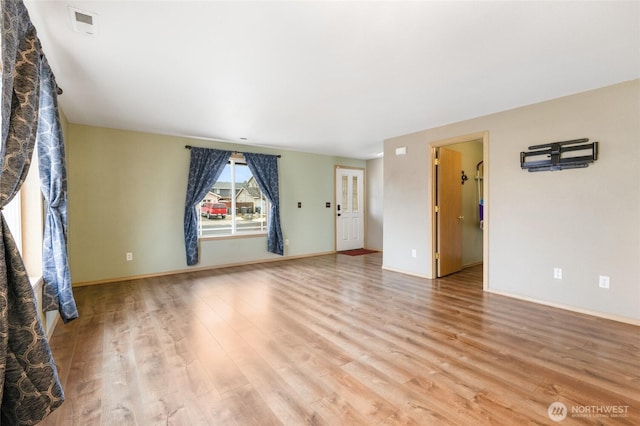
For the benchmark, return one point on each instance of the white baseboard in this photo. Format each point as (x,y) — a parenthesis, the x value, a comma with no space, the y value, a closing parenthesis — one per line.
(196,269)
(619,318)
(413,274)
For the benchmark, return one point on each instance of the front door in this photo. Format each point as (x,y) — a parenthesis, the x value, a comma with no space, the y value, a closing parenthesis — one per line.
(448,211)
(349,209)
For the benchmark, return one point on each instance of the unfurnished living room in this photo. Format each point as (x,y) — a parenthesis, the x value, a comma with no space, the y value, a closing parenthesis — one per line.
(320,212)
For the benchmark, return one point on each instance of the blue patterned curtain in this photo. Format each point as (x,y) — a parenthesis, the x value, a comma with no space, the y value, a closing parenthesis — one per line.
(205,168)
(265,170)
(56,293)
(29,384)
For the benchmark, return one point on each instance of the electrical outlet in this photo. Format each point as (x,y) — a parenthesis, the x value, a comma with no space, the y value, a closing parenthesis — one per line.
(603,281)
(286,242)
(129,256)
(557,273)
(414,253)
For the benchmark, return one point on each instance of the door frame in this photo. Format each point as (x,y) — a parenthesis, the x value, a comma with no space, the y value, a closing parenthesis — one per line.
(431,189)
(335,204)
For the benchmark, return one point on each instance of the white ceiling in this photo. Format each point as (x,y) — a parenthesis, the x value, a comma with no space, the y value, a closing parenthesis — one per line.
(327,77)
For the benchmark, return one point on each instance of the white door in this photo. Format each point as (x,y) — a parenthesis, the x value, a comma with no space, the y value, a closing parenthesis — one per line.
(349,209)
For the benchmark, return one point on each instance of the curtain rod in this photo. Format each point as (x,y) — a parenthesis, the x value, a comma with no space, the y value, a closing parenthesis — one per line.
(235,152)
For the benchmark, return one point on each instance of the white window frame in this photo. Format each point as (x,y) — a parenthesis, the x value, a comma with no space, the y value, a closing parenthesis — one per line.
(234,232)
(13,216)
(24,216)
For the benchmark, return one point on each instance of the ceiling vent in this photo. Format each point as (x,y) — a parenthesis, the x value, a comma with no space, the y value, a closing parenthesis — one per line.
(83,22)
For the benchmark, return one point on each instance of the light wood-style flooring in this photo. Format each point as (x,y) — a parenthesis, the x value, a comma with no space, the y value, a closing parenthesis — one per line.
(335,340)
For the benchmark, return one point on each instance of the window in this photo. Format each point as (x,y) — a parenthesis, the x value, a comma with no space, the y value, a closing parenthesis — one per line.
(235,205)
(13,216)
(24,217)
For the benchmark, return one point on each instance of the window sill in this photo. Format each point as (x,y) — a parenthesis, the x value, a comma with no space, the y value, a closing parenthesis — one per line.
(36,282)
(232,237)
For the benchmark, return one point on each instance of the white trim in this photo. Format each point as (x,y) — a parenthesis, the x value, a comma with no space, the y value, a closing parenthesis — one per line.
(13,216)
(52,327)
(413,274)
(196,269)
(604,315)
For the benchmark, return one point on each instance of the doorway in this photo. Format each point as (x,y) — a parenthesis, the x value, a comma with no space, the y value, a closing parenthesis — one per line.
(459,200)
(349,204)
(448,211)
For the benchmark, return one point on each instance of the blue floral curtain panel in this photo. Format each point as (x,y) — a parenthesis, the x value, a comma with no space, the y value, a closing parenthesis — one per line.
(57,292)
(205,167)
(29,384)
(265,170)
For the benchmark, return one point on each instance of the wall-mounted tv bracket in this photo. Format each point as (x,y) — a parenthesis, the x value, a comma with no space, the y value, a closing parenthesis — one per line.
(571,154)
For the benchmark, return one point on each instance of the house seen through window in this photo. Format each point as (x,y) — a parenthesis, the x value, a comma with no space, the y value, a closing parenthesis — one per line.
(235,205)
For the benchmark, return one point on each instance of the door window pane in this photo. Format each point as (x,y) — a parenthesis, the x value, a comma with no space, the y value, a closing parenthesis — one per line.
(354,192)
(345,193)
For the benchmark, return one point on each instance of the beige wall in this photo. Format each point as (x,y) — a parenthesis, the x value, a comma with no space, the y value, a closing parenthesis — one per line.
(584,220)
(374,193)
(127,193)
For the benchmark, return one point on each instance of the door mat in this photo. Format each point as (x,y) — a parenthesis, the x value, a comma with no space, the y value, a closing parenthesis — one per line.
(357,252)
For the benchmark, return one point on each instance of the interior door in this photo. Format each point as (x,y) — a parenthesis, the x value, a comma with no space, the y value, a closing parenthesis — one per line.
(349,209)
(448,211)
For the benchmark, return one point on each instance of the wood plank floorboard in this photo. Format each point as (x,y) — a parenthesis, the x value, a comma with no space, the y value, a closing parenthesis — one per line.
(336,340)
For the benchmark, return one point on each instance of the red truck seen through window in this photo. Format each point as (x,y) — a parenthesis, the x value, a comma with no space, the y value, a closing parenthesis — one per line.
(212,210)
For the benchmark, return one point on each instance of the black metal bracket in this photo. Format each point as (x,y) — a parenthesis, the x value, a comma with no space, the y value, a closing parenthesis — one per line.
(559,155)
(464,177)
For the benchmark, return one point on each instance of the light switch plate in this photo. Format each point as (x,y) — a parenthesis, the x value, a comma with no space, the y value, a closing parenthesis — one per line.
(603,281)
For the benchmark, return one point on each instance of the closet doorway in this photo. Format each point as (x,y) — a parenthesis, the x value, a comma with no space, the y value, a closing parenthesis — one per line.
(459,204)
